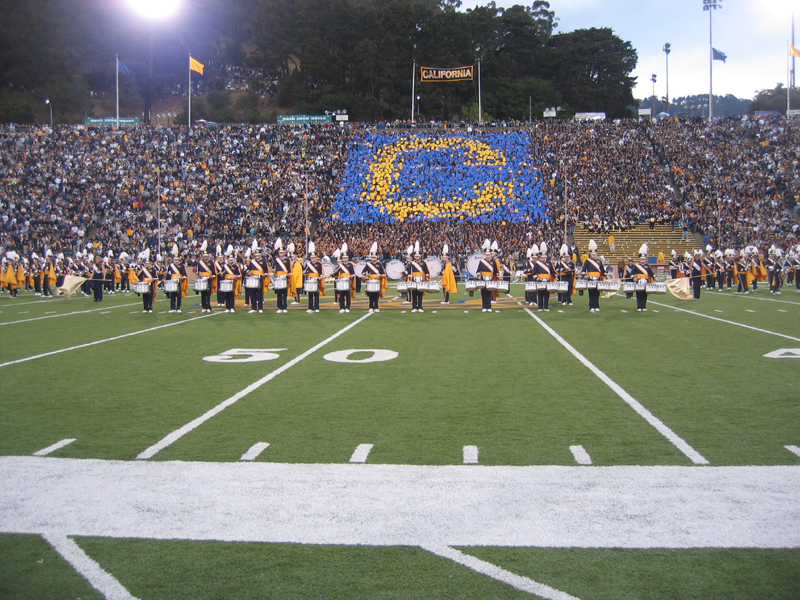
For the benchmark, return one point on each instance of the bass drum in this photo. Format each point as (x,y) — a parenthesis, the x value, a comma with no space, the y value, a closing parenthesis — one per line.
(395,269)
(472,263)
(359,267)
(327,268)
(434,265)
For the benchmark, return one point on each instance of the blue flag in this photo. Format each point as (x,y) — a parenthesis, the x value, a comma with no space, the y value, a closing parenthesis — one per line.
(123,69)
(717,55)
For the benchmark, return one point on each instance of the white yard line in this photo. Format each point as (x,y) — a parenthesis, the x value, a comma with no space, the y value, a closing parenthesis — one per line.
(97,577)
(396,505)
(77,312)
(361,453)
(484,568)
(748,296)
(697,314)
(794,450)
(254,451)
(54,447)
(581,456)
(179,433)
(111,339)
(659,426)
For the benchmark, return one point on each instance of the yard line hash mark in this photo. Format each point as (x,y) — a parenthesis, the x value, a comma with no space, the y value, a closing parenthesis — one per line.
(793,450)
(361,453)
(254,451)
(194,424)
(54,447)
(673,437)
(581,456)
(470,455)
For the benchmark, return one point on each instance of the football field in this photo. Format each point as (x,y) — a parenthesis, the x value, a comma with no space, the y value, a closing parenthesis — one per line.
(450,454)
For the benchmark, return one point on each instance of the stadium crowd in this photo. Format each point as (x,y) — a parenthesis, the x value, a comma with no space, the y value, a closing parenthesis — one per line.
(72,187)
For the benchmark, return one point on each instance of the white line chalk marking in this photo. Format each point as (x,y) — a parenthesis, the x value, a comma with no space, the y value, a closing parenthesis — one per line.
(361,453)
(254,451)
(470,455)
(111,339)
(781,310)
(484,568)
(750,311)
(673,437)
(395,505)
(77,312)
(54,447)
(793,449)
(697,314)
(179,433)
(97,577)
(581,456)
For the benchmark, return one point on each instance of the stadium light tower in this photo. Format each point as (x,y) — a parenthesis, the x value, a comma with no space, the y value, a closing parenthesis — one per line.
(666,49)
(711,6)
(153,11)
(653,105)
(47,101)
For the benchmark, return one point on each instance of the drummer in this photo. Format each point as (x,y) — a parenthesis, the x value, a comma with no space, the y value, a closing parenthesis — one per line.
(530,265)
(565,270)
(417,271)
(543,273)
(257,267)
(207,268)
(231,271)
(593,270)
(176,271)
(642,273)
(448,276)
(219,262)
(313,272)
(345,269)
(374,271)
(281,268)
(486,270)
(148,274)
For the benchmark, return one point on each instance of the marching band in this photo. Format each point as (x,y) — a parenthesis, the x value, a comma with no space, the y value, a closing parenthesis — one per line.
(230,272)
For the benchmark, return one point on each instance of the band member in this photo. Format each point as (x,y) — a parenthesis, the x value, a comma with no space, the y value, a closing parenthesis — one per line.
(345,270)
(257,267)
(642,274)
(219,261)
(757,267)
(709,268)
(593,270)
(148,274)
(487,271)
(674,265)
(206,269)
(696,273)
(543,273)
(176,271)
(448,276)
(794,267)
(741,269)
(728,267)
(313,272)
(281,268)
(565,271)
(530,265)
(375,271)
(495,256)
(417,271)
(49,276)
(231,271)
(629,276)
(774,270)
(98,276)
(296,275)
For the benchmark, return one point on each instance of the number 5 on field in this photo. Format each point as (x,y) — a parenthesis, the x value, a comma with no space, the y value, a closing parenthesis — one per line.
(243,355)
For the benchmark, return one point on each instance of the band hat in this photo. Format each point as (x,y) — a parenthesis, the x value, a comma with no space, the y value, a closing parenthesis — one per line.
(643,250)
(687,255)
(254,245)
(219,250)
(312,249)
(336,254)
(543,248)
(708,248)
(533,250)
(247,253)
(718,254)
(279,244)
(445,250)
(564,250)
(487,246)
(495,247)
(592,246)
(529,252)
(229,250)
(673,252)
(373,250)
(290,248)
(175,250)
(204,247)
(410,251)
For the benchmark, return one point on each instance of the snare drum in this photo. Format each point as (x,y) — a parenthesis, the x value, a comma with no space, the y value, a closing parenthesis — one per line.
(491,285)
(657,288)
(530,286)
(628,287)
(471,285)
(434,286)
(502,286)
(311,285)
(373,285)
(411,285)
(591,285)
(641,285)
(252,282)
(608,286)
(581,284)
(226,285)
(402,286)
(542,285)
(172,285)
(342,284)
(552,286)
(423,286)
(201,285)
(280,282)
(142,287)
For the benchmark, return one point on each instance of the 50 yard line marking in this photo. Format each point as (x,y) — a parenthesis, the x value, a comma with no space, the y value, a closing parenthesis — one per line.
(697,314)
(673,437)
(179,433)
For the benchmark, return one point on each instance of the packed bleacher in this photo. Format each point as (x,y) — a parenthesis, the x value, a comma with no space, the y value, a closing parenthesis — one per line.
(736,181)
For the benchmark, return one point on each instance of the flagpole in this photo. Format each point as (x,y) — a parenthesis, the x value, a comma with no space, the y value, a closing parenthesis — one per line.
(480,107)
(190,92)
(788,80)
(117,91)
(413,83)
(710,71)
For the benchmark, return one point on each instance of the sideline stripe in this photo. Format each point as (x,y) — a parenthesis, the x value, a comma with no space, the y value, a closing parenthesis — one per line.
(673,437)
(793,450)
(119,337)
(361,453)
(77,312)
(179,433)
(484,568)
(54,447)
(98,578)
(581,456)
(697,314)
(254,451)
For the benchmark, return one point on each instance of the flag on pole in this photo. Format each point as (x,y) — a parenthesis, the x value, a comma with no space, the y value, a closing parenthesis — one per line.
(195,65)
(717,55)
(793,51)
(123,68)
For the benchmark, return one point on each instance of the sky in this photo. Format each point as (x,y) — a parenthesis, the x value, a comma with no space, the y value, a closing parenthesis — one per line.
(752,33)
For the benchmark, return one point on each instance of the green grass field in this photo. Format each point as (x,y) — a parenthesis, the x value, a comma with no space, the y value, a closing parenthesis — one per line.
(691,492)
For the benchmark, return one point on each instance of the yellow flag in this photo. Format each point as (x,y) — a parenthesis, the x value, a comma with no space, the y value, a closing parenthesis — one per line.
(195,65)
(793,51)
(680,288)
